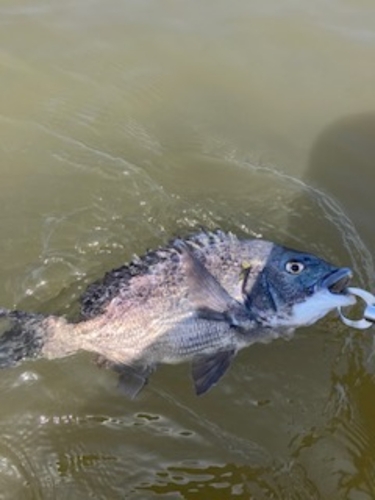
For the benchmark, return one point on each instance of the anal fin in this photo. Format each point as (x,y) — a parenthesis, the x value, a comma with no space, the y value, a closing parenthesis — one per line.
(207,370)
(132,378)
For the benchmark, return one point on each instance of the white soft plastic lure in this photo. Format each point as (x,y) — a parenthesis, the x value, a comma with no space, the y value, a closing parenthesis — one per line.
(368,314)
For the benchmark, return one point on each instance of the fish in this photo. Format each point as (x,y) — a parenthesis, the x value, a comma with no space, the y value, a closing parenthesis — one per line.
(198,299)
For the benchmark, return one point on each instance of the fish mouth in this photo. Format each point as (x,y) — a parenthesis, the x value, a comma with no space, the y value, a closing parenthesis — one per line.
(337,281)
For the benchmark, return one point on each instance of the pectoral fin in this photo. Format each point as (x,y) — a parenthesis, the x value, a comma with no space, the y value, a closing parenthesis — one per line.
(211,300)
(207,370)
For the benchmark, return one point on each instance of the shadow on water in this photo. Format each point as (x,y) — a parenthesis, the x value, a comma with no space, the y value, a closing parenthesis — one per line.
(334,458)
(339,454)
(153,453)
(342,163)
(340,182)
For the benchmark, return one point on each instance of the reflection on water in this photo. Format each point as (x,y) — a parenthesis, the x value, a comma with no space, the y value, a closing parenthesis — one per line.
(231,480)
(124,123)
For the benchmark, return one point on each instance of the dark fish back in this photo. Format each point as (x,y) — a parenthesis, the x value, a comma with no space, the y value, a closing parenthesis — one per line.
(100,293)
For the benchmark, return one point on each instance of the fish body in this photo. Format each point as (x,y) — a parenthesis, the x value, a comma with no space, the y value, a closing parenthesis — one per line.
(199,299)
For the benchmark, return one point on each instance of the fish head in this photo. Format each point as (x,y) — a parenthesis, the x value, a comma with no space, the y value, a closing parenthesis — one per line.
(290,288)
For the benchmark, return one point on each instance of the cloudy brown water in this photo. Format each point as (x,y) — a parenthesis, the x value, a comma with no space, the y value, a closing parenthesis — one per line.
(124,123)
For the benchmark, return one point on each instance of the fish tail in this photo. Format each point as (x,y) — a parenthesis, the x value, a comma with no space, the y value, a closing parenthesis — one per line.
(24,336)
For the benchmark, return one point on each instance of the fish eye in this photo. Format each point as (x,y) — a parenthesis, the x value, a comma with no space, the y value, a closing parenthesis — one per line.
(294,267)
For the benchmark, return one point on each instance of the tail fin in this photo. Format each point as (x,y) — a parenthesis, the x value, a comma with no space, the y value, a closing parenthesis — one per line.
(24,338)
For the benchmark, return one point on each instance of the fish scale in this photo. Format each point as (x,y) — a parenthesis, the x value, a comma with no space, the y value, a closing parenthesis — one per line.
(200,298)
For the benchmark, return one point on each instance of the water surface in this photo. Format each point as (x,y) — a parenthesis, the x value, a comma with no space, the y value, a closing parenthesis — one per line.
(124,123)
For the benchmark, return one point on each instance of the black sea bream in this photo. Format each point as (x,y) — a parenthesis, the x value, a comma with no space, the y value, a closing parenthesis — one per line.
(198,299)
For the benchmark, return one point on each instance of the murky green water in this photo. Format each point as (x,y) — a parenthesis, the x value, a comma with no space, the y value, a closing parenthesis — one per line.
(124,123)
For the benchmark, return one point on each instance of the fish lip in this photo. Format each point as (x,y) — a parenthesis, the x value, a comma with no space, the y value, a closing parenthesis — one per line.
(337,281)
